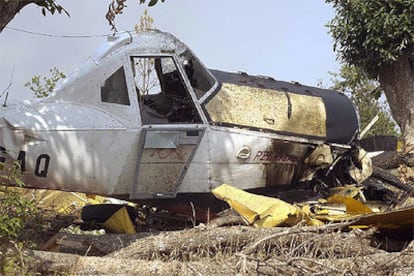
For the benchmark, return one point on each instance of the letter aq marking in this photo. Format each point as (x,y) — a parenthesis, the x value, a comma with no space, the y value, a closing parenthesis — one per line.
(42,162)
(42,165)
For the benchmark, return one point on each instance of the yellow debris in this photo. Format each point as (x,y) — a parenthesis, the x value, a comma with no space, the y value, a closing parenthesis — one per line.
(353,206)
(261,211)
(60,201)
(395,219)
(346,190)
(120,222)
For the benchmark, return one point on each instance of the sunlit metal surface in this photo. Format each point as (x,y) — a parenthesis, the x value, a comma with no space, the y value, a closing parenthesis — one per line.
(108,130)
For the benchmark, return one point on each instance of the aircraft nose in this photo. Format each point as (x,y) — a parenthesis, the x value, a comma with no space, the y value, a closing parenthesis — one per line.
(11,139)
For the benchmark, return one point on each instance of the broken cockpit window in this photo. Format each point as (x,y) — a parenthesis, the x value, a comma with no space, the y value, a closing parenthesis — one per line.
(201,80)
(163,97)
(114,89)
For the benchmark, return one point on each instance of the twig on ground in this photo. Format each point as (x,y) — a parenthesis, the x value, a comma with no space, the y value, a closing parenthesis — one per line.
(296,229)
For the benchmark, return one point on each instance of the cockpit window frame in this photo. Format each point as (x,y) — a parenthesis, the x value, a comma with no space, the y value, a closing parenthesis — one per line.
(125,93)
(189,55)
(184,80)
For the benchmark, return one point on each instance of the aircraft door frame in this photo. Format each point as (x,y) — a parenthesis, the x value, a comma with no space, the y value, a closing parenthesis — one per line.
(168,141)
(165,153)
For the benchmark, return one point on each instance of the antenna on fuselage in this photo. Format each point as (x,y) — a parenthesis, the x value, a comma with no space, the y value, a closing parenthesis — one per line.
(6,91)
(5,99)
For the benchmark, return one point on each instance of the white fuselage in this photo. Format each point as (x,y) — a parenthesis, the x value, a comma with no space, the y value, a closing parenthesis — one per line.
(143,118)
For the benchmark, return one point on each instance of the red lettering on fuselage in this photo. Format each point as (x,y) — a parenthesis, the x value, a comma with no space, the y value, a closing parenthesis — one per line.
(268,156)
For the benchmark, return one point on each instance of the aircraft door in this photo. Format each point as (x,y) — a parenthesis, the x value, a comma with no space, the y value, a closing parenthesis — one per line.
(172,127)
(164,158)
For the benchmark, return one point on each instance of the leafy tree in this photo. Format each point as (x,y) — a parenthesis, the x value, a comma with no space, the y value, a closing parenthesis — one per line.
(151,2)
(9,8)
(378,38)
(43,87)
(117,7)
(365,93)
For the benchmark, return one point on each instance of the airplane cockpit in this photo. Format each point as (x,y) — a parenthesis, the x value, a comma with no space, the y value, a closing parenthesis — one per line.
(150,73)
(162,94)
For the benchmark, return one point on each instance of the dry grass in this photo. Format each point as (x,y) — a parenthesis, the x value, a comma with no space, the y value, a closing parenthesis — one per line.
(207,250)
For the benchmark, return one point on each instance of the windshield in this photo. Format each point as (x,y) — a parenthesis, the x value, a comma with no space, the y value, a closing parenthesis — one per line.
(162,95)
(200,78)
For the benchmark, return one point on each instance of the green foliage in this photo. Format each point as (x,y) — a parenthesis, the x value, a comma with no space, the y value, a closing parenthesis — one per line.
(14,209)
(117,7)
(42,87)
(15,212)
(150,3)
(51,6)
(365,93)
(13,261)
(371,34)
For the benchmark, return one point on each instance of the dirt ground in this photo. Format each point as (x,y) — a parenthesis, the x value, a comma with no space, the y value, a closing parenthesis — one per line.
(224,247)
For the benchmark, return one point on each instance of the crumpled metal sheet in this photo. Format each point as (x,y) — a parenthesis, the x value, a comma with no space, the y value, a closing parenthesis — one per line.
(263,211)
(60,201)
(394,219)
(120,222)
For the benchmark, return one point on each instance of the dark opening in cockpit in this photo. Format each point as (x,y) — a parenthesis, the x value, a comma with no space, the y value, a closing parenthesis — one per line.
(163,97)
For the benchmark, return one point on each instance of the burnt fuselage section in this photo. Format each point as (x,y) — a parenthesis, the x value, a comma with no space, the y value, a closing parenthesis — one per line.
(285,108)
(144,119)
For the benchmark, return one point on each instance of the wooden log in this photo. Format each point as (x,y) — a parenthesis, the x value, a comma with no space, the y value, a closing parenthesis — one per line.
(227,217)
(51,262)
(294,260)
(385,263)
(196,240)
(390,179)
(392,160)
(63,263)
(201,242)
(200,239)
(91,245)
(377,263)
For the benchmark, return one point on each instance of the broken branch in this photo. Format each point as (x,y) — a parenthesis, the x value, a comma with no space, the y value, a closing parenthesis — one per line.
(391,179)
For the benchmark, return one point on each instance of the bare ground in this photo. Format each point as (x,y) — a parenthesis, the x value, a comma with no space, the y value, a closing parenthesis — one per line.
(229,250)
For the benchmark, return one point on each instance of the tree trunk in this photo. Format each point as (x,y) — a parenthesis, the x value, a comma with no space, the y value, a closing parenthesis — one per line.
(9,8)
(365,263)
(389,160)
(390,179)
(91,245)
(397,80)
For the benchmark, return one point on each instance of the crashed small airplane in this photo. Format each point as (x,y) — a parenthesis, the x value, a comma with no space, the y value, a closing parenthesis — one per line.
(144,120)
